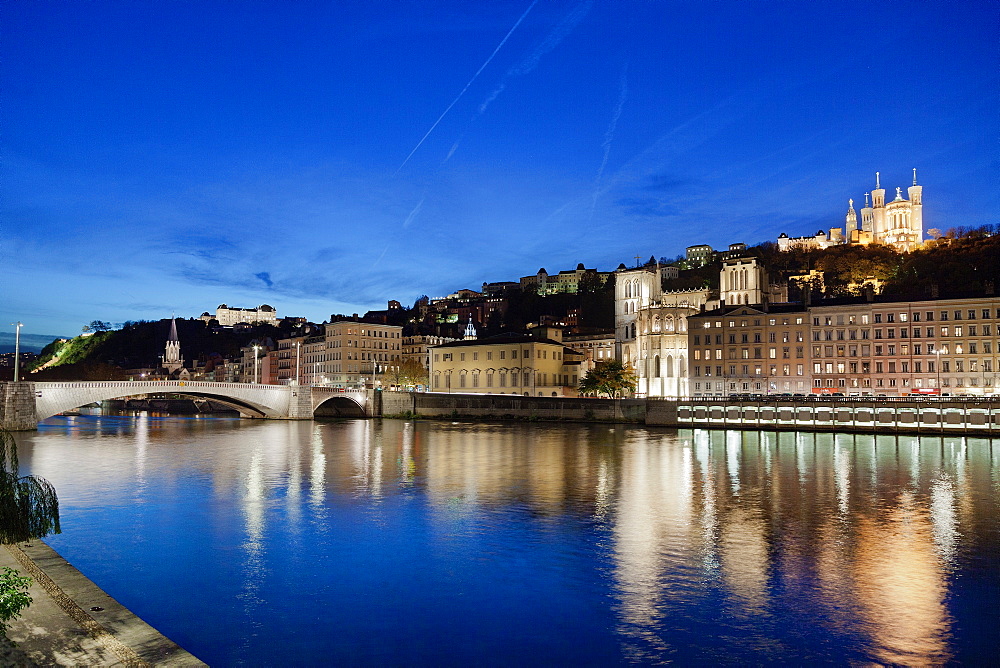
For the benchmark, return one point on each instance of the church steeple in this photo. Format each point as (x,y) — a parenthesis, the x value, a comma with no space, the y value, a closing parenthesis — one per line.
(172,359)
(852,218)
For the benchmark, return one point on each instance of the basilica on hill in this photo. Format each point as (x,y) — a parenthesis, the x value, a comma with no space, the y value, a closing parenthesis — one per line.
(899,224)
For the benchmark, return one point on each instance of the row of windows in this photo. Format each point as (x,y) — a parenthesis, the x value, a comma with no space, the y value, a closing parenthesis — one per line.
(798,320)
(374,333)
(748,370)
(541,354)
(502,378)
(904,349)
(906,366)
(744,353)
(905,382)
(772,337)
(904,316)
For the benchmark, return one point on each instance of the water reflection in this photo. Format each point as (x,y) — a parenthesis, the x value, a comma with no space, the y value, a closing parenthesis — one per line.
(698,545)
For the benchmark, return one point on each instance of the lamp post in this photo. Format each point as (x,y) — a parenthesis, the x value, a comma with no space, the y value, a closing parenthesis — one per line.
(937,368)
(298,346)
(255,349)
(17,349)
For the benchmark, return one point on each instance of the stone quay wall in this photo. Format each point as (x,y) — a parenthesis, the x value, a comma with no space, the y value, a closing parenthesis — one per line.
(435,404)
(17,406)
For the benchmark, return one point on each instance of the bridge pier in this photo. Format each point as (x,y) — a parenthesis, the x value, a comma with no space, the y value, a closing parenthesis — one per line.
(17,406)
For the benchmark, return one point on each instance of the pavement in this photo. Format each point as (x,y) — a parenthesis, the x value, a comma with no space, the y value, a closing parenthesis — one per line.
(73,622)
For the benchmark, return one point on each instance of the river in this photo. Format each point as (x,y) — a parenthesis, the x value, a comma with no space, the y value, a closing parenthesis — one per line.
(390,542)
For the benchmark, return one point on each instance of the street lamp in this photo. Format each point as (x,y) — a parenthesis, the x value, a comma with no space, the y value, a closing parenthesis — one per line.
(17,349)
(298,346)
(937,368)
(255,349)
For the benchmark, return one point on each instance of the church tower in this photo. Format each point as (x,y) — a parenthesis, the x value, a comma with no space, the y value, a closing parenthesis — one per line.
(172,360)
(916,194)
(742,281)
(852,220)
(866,217)
(878,209)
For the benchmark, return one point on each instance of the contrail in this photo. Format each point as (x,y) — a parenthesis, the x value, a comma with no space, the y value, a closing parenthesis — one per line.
(552,40)
(474,76)
(413,213)
(609,135)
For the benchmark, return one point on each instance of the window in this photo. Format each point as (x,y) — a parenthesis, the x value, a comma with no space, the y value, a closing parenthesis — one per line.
(878,317)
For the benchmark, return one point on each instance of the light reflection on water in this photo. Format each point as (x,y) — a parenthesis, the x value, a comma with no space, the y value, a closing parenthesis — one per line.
(372,542)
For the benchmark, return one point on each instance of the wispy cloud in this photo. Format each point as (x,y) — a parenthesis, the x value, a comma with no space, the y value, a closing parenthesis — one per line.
(265,278)
(474,77)
(551,41)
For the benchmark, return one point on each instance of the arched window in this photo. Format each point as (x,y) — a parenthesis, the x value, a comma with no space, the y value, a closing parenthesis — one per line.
(656,365)
(669,370)
(633,330)
(656,324)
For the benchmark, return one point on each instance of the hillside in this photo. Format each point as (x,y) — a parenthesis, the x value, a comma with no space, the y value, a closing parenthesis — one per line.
(139,345)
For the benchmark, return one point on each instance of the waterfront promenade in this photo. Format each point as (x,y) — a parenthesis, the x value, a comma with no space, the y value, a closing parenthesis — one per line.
(72,622)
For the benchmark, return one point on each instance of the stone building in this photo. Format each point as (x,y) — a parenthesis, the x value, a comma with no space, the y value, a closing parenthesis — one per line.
(651,330)
(228,317)
(417,347)
(569,280)
(530,365)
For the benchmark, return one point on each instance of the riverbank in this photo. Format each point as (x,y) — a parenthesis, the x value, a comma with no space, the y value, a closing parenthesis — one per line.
(73,622)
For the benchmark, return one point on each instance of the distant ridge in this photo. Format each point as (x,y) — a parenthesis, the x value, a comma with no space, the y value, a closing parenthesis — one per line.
(30,343)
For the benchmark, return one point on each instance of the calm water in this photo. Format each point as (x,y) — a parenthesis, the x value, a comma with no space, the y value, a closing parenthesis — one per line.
(393,542)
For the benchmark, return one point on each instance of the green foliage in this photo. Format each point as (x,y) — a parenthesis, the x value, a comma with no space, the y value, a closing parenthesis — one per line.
(14,597)
(610,378)
(408,373)
(29,507)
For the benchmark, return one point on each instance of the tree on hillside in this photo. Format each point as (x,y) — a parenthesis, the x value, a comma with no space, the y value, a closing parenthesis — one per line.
(610,378)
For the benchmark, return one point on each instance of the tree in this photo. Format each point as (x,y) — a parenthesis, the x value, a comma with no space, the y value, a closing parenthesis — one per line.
(29,507)
(408,373)
(609,377)
(14,597)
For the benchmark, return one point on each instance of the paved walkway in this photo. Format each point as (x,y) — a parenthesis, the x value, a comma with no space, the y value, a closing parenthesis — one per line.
(72,622)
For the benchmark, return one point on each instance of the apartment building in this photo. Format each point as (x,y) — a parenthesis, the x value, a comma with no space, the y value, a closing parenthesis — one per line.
(900,348)
(343,354)
(745,349)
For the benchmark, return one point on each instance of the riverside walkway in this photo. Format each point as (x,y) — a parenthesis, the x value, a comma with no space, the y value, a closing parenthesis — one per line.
(72,622)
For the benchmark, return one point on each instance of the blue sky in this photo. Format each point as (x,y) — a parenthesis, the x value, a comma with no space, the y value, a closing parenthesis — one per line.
(323,157)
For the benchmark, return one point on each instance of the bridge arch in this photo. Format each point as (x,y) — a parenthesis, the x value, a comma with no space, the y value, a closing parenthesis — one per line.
(52,398)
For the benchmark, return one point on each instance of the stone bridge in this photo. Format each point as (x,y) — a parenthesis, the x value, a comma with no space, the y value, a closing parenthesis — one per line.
(23,404)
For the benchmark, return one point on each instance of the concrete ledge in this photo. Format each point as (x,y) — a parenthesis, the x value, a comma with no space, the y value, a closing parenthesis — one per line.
(61,629)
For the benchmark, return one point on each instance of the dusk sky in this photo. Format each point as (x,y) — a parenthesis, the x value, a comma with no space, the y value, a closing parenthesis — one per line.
(324,157)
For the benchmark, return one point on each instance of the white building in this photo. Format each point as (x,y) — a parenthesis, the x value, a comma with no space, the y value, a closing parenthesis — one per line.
(899,224)
(228,317)
(651,329)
